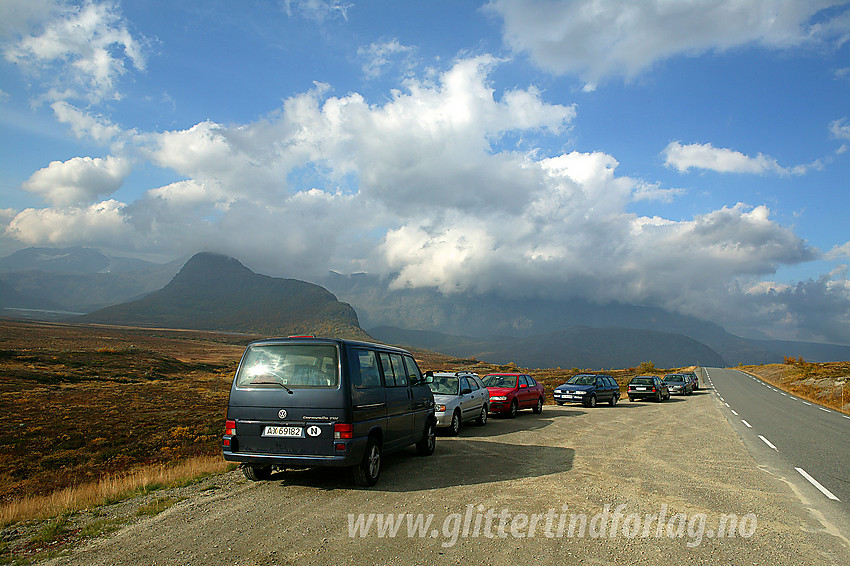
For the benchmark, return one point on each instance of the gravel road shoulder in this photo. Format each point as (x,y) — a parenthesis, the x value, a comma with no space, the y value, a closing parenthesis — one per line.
(665,466)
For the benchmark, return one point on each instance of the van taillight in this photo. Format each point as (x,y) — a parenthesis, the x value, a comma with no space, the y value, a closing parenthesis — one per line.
(229,428)
(343,431)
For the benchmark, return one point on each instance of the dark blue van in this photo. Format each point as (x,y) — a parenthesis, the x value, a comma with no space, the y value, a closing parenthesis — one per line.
(307,402)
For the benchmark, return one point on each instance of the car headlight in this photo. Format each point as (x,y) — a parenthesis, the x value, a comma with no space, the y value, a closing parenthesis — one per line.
(440,408)
(499,398)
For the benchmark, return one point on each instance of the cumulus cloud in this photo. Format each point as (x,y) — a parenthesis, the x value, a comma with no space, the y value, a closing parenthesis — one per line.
(597,40)
(78,180)
(99,224)
(722,160)
(87,46)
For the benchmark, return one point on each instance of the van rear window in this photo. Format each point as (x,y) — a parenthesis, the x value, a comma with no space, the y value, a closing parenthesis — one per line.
(290,365)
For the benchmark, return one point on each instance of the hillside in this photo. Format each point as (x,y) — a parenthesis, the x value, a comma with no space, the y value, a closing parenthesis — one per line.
(216,292)
(574,347)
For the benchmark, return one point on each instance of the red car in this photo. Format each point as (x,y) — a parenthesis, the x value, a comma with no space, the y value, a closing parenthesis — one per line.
(510,392)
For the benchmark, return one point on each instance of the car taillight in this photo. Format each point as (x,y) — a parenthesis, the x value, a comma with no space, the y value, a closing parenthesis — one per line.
(229,428)
(343,431)
(653,388)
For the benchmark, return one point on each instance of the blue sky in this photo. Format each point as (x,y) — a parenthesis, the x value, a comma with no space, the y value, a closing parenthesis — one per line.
(687,155)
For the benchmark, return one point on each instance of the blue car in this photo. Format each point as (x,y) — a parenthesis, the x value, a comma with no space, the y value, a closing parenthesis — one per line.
(588,389)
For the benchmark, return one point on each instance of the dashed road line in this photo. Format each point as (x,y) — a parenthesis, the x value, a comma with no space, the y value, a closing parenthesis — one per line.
(769,443)
(734,412)
(746,423)
(817,484)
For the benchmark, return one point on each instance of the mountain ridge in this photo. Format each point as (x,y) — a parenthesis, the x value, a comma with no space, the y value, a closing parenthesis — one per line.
(217,292)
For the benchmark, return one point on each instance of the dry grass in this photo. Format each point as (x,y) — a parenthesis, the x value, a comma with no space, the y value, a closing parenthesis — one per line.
(109,489)
(826,384)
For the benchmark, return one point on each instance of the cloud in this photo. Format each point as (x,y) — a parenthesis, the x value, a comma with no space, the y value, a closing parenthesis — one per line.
(317,10)
(78,180)
(597,40)
(84,124)
(722,160)
(378,56)
(87,46)
(101,224)
(840,129)
(839,252)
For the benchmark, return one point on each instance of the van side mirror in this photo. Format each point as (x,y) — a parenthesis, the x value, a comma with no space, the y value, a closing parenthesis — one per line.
(523,386)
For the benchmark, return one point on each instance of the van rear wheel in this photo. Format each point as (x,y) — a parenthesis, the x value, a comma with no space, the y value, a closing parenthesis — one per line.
(257,473)
(367,471)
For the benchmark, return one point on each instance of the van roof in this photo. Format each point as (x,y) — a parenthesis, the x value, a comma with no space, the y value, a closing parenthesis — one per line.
(317,339)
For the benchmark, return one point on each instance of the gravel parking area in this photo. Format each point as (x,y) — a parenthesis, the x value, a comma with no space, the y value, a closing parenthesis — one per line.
(639,483)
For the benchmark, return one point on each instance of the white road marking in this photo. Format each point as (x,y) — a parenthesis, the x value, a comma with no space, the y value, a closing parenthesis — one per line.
(817,484)
(734,412)
(766,441)
(727,404)
(824,410)
(806,403)
(746,423)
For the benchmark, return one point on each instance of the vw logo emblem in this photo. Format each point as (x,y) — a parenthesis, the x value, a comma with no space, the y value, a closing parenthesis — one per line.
(314,431)
(282,413)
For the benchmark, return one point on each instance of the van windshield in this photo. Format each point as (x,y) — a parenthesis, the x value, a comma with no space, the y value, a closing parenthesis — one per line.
(289,365)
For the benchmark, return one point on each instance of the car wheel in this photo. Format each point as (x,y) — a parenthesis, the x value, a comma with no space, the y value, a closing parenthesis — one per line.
(614,400)
(454,427)
(514,409)
(257,473)
(482,417)
(559,402)
(539,408)
(428,443)
(367,471)
(591,401)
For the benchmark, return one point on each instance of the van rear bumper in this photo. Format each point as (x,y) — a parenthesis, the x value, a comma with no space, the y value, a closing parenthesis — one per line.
(351,456)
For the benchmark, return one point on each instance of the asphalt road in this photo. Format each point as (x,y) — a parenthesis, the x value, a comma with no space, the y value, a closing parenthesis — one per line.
(673,471)
(804,443)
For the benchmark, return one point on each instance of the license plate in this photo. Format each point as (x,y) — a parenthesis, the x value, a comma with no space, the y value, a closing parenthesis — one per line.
(284,431)
(641,388)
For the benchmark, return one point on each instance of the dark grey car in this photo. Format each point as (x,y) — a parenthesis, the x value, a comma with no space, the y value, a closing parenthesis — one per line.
(314,402)
(648,387)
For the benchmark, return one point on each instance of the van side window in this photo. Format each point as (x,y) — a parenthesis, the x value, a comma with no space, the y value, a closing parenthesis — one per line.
(398,368)
(364,367)
(522,381)
(464,384)
(387,366)
(413,373)
(393,370)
